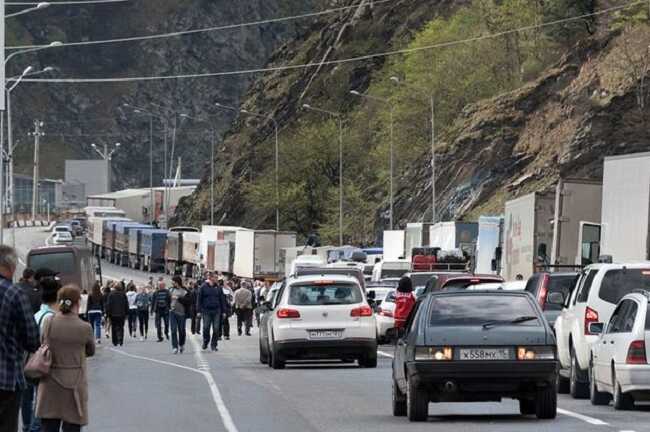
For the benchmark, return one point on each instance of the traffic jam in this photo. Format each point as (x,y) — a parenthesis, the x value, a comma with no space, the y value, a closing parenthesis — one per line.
(552,297)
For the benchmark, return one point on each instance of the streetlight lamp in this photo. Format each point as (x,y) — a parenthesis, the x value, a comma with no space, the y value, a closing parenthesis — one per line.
(392,156)
(15,53)
(39,6)
(213,137)
(339,117)
(108,157)
(420,90)
(277,155)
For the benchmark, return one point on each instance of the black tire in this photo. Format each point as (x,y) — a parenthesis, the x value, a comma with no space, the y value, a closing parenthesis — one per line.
(563,385)
(578,383)
(264,355)
(546,403)
(527,407)
(417,403)
(369,360)
(275,361)
(596,397)
(622,401)
(399,401)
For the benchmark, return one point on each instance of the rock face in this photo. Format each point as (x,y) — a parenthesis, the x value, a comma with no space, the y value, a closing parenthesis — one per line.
(587,106)
(77,115)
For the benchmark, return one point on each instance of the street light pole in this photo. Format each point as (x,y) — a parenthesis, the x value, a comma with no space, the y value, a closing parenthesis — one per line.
(339,117)
(391,145)
(39,6)
(277,155)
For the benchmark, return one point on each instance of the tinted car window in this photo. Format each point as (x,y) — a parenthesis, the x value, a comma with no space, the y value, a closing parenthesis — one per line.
(420,280)
(563,284)
(479,309)
(317,295)
(630,317)
(583,295)
(617,283)
(616,320)
(647,318)
(62,262)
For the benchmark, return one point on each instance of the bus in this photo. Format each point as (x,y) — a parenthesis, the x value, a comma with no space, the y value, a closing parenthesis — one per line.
(74,265)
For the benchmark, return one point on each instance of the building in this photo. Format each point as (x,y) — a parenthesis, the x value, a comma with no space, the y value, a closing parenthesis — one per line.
(50,193)
(94,174)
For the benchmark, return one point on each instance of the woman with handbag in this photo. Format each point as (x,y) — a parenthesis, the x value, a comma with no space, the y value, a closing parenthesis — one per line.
(62,397)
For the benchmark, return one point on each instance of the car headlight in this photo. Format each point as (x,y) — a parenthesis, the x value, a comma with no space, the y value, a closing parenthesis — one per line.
(536,353)
(434,353)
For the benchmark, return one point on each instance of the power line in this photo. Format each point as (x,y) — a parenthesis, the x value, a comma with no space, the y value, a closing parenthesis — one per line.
(70,2)
(204,30)
(335,62)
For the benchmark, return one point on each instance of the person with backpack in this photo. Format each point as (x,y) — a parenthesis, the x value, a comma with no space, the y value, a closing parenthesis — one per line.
(161,304)
(131,294)
(211,306)
(117,309)
(142,304)
(179,308)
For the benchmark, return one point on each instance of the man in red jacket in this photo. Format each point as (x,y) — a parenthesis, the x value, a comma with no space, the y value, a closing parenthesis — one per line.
(404,301)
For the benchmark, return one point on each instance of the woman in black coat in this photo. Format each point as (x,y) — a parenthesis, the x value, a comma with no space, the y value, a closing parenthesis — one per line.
(117,309)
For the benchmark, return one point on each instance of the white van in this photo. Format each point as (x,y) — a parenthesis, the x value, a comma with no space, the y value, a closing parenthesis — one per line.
(306,261)
(390,269)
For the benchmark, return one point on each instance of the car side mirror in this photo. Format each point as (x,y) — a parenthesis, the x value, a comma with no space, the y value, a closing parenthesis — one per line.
(555,298)
(596,328)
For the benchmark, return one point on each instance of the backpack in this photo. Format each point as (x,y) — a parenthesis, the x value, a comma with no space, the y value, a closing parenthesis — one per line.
(162,299)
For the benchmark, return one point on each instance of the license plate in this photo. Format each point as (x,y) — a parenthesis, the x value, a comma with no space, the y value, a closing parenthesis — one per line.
(325,334)
(485,354)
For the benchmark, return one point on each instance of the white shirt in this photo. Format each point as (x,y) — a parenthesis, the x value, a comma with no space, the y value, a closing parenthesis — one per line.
(83,304)
(130,296)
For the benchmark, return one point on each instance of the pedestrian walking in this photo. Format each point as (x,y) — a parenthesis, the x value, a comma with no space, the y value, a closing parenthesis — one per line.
(131,294)
(96,311)
(18,334)
(161,303)
(30,286)
(62,401)
(49,288)
(143,303)
(180,303)
(83,305)
(105,294)
(404,301)
(211,305)
(117,309)
(195,318)
(224,329)
(243,302)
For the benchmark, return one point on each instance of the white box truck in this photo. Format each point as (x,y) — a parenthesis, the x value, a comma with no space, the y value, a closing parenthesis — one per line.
(528,231)
(224,256)
(393,245)
(415,235)
(257,253)
(454,235)
(210,234)
(576,223)
(625,216)
(489,245)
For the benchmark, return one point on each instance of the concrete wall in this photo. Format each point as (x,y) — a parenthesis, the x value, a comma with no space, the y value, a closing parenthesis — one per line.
(93,173)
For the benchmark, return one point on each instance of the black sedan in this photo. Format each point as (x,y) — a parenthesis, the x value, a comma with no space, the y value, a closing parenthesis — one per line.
(475,346)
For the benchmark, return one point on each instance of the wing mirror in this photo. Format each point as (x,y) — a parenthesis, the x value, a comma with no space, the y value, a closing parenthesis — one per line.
(555,298)
(596,328)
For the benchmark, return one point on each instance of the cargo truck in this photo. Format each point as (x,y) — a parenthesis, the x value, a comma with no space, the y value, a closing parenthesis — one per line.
(210,234)
(528,234)
(122,238)
(96,232)
(489,245)
(625,216)
(224,256)
(393,245)
(454,235)
(576,224)
(416,235)
(174,253)
(257,253)
(151,254)
(192,258)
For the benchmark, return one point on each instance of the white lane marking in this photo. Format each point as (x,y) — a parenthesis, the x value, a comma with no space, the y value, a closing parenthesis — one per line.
(385,354)
(204,368)
(584,418)
(627,431)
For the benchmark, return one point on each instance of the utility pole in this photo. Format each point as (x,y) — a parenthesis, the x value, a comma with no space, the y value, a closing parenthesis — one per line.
(37,134)
(212,177)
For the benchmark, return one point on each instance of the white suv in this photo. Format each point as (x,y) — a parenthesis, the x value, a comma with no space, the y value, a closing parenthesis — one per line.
(619,366)
(594,299)
(322,317)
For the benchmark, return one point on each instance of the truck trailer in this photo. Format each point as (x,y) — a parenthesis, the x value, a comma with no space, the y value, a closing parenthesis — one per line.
(257,253)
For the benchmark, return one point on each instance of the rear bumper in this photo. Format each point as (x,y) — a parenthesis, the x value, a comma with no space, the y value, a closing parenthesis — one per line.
(482,380)
(330,349)
(633,377)
(384,324)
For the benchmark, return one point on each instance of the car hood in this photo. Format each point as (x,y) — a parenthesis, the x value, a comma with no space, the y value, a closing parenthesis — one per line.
(477,336)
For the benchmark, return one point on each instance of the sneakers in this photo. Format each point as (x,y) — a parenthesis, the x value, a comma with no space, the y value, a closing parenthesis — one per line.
(175,351)
(141,339)
(215,349)
(204,347)
(182,349)
(99,341)
(160,339)
(227,337)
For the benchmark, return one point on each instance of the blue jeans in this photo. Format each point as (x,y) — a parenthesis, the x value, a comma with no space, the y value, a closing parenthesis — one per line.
(177,323)
(31,423)
(95,318)
(211,320)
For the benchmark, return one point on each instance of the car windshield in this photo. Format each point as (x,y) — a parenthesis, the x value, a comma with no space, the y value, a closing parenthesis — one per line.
(461,284)
(563,284)
(617,283)
(330,294)
(476,310)
(380,292)
(60,262)
(420,279)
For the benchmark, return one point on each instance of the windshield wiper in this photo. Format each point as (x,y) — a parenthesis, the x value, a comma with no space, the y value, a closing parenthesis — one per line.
(489,324)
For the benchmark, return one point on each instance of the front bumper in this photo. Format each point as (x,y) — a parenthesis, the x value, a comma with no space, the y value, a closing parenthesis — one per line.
(296,349)
(482,380)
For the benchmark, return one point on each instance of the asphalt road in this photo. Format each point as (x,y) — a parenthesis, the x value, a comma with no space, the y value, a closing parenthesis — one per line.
(144,387)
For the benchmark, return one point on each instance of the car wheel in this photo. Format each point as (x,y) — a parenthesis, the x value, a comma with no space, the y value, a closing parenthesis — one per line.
(264,355)
(369,360)
(276,362)
(399,401)
(578,388)
(622,401)
(417,403)
(596,397)
(527,407)
(546,403)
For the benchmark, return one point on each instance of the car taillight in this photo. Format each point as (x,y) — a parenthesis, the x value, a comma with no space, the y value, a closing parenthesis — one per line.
(543,292)
(288,313)
(361,311)
(386,313)
(636,353)
(590,316)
